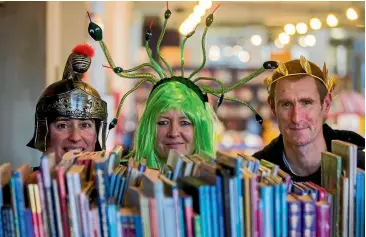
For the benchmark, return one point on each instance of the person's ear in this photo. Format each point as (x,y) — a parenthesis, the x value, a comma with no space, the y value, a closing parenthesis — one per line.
(271,106)
(326,104)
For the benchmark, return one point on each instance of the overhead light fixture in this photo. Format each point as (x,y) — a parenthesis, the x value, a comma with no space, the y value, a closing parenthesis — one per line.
(310,40)
(244,56)
(302,42)
(256,40)
(214,53)
(351,14)
(315,23)
(332,20)
(301,28)
(284,38)
(278,44)
(290,29)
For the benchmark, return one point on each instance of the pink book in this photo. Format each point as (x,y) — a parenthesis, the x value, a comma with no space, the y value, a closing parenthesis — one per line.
(188,215)
(153,218)
(322,219)
(260,218)
(42,216)
(60,176)
(254,204)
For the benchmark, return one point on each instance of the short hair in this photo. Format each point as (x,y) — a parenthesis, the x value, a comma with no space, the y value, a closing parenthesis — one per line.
(293,67)
(322,90)
(173,95)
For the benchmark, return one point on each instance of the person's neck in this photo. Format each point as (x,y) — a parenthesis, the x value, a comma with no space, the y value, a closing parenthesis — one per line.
(305,160)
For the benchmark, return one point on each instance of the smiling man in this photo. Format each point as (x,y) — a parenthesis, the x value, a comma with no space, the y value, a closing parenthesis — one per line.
(300,98)
(70,114)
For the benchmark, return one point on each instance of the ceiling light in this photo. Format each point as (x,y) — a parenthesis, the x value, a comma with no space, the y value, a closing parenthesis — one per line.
(244,56)
(284,38)
(290,29)
(199,10)
(315,24)
(278,44)
(256,40)
(301,28)
(310,40)
(237,49)
(206,4)
(214,53)
(351,14)
(302,42)
(332,20)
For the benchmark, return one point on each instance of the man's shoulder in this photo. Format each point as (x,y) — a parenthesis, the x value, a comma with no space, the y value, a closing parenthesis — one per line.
(272,151)
(348,136)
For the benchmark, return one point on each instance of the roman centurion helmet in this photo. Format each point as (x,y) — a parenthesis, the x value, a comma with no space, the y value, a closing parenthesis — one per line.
(71,98)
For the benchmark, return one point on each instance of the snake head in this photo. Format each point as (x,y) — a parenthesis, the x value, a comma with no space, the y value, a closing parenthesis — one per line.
(270,65)
(148,34)
(95,31)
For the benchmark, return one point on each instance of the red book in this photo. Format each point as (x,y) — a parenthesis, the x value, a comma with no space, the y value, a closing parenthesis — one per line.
(60,176)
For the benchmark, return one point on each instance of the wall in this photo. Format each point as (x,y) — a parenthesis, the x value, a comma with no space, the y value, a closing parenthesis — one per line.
(22,77)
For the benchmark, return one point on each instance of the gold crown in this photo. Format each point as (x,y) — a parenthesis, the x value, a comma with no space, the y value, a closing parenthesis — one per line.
(329,83)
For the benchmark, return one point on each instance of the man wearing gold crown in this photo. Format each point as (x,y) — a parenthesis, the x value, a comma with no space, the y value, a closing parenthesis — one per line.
(300,95)
(70,114)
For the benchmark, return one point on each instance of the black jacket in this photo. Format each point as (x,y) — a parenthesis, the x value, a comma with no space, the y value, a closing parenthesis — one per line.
(273,152)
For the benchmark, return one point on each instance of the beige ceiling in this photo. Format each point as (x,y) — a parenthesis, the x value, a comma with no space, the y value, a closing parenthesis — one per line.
(273,14)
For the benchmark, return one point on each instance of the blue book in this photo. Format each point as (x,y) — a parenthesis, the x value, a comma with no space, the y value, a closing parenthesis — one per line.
(284,210)
(15,206)
(214,212)
(28,222)
(277,210)
(112,219)
(266,193)
(308,215)
(220,206)
(181,216)
(138,226)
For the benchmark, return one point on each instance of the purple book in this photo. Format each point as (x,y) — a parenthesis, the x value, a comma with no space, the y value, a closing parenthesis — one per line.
(308,215)
(294,216)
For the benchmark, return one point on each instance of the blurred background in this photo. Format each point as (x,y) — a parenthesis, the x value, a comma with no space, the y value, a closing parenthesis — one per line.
(37,37)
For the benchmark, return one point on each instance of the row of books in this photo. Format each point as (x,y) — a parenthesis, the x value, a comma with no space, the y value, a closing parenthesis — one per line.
(94,194)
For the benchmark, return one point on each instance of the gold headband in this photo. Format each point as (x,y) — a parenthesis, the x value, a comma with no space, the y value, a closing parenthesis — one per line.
(329,83)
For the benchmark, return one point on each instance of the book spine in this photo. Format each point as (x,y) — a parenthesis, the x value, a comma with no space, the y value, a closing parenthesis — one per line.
(19,193)
(220,206)
(294,219)
(308,218)
(84,214)
(60,176)
(189,215)
(214,212)
(197,226)
(145,216)
(73,214)
(112,221)
(102,198)
(322,219)
(57,208)
(268,220)
(277,210)
(284,210)
(15,205)
(46,176)
(28,223)
(260,220)
(154,226)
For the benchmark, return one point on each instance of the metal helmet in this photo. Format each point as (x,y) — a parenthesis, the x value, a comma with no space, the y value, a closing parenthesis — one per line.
(72,98)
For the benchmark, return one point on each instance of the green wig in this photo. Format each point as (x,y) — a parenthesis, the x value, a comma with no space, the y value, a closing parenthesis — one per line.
(174,92)
(176,96)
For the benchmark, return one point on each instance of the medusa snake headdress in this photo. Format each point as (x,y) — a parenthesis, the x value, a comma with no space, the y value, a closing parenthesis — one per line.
(201,90)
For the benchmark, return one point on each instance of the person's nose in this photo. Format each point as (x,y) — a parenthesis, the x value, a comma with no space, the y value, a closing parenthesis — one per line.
(75,134)
(173,130)
(296,116)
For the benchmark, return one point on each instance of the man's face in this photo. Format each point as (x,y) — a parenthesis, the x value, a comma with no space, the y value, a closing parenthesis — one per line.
(71,135)
(299,111)
(174,131)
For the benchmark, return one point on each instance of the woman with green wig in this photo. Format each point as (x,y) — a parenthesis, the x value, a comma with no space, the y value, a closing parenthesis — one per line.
(175,118)
(177,114)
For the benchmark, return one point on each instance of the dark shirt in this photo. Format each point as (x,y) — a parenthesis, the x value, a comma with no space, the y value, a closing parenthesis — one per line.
(273,152)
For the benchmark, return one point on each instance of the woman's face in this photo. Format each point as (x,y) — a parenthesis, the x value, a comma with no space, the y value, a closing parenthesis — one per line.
(174,131)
